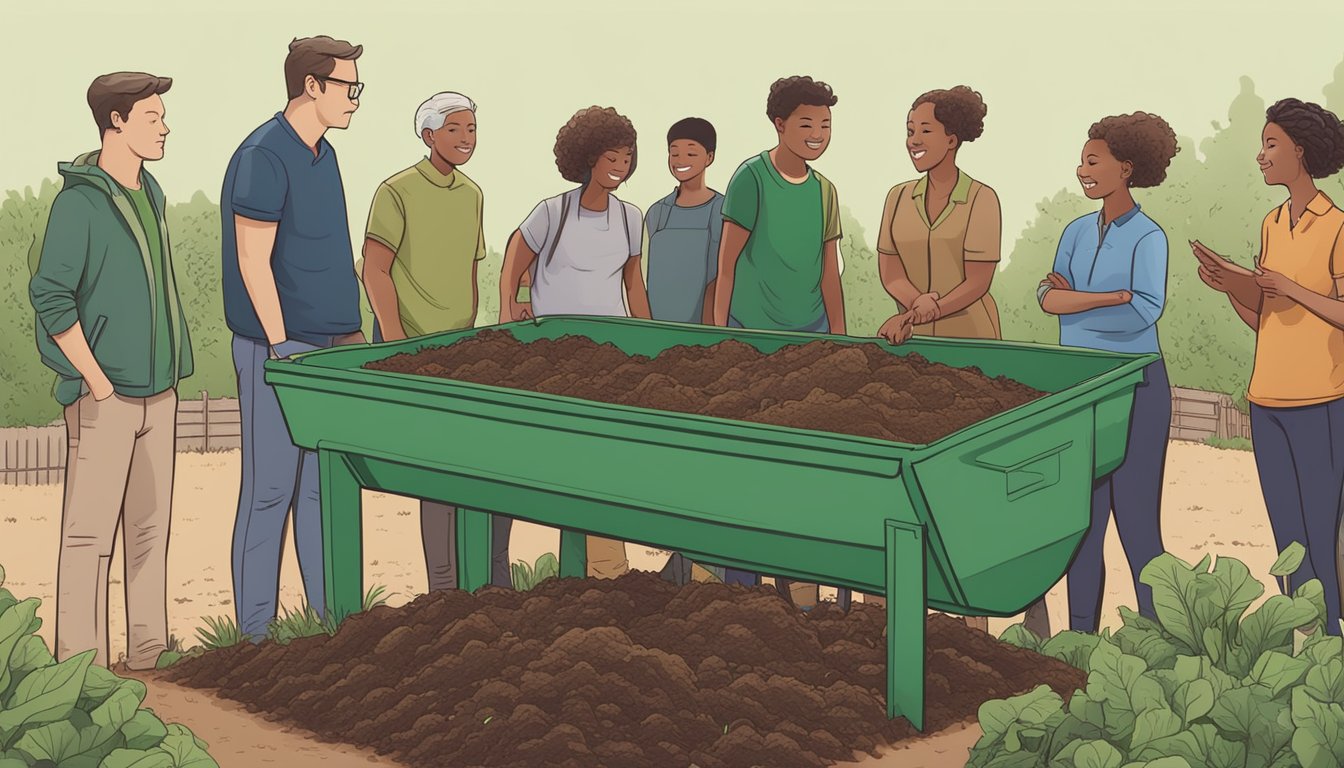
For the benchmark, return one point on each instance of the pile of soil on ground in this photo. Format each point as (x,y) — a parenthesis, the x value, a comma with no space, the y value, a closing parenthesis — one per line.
(853,389)
(629,672)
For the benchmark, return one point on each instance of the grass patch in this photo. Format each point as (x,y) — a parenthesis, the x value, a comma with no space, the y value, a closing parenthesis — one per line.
(1229,444)
(223,632)
(526,576)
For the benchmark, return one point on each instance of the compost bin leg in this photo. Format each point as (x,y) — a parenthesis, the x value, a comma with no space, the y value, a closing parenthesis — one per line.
(906,611)
(342,535)
(573,554)
(473,549)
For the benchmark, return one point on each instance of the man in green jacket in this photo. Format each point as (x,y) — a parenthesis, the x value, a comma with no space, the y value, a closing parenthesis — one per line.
(110,324)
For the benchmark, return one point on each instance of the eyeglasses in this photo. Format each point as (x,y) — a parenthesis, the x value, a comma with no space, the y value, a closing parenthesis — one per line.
(354,89)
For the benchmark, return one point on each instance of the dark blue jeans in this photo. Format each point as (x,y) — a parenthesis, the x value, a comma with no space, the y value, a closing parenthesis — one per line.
(1299,453)
(1134,493)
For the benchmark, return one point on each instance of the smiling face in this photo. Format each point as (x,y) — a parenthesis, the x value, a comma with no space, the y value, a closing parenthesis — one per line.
(687,159)
(927,140)
(612,167)
(144,129)
(455,141)
(807,132)
(1100,173)
(1280,159)
(335,108)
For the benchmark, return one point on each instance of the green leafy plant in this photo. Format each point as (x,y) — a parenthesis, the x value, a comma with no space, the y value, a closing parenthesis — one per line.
(526,576)
(1205,684)
(219,632)
(73,714)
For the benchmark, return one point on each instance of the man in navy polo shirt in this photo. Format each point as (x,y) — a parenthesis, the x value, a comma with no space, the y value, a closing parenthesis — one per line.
(289,287)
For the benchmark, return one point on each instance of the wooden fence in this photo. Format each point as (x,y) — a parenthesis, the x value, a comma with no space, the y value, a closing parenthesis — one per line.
(37,455)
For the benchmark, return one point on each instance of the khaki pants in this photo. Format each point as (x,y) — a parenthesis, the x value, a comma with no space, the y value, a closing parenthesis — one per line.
(606,558)
(120,469)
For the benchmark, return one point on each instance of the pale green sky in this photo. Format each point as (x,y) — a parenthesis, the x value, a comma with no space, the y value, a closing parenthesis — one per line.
(1047,70)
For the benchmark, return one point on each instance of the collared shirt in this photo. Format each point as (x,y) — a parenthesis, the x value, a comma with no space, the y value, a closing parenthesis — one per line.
(1128,254)
(934,253)
(433,223)
(1299,358)
(274,177)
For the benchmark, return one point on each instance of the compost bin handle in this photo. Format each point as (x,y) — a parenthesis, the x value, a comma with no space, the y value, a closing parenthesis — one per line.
(1024,476)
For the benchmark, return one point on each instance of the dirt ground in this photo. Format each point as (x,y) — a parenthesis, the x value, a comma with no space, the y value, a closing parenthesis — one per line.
(1212,505)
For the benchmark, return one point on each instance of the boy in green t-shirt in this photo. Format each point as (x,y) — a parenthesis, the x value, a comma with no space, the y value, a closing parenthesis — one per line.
(779,261)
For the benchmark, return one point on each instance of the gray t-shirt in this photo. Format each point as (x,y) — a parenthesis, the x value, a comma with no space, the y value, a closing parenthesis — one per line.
(584,275)
(683,256)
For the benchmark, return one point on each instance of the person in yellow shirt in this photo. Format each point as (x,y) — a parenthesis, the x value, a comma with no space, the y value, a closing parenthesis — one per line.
(1293,302)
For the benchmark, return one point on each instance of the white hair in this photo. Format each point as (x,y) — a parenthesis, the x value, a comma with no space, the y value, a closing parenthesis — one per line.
(435,111)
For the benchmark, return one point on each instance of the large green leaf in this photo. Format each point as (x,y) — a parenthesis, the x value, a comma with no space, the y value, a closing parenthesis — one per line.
(114,714)
(1121,683)
(56,742)
(144,730)
(1314,593)
(1098,754)
(1227,592)
(187,750)
(1032,708)
(1270,627)
(1145,638)
(1174,594)
(1226,754)
(1161,762)
(1289,560)
(1072,648)
(1153,724)
(1194,745)
(138,758)
(13,628)
(1278,672)
(1234,712)
(1192,701)
(1325,682)
(1319,739)
(1271,731)
(31,654)
(46,695)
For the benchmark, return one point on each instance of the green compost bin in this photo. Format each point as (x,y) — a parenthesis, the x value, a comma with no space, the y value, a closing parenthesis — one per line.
(981,522)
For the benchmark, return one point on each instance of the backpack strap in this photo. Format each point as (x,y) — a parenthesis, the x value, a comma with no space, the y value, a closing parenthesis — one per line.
(662,212)
(564,214)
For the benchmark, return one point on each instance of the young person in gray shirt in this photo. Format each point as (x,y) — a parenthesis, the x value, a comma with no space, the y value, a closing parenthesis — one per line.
(684,229)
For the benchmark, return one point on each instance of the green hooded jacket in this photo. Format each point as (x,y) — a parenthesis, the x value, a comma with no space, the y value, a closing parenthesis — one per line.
(93,267)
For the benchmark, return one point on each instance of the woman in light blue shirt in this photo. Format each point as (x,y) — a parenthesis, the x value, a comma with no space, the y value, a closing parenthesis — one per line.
(1108,288)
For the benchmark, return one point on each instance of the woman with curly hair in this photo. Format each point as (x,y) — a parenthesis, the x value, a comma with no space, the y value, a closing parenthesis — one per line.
(1294,301)
(1108,288)
(939,241)
(581,250)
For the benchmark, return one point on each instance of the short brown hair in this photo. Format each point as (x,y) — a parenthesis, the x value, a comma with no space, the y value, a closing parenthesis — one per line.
(1141,138)
(315,56)
(119,91)
(789,93)
(588,134)
(960,110)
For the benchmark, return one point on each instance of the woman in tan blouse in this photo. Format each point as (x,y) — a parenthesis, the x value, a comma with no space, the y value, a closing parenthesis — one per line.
(939,242)
(938,245)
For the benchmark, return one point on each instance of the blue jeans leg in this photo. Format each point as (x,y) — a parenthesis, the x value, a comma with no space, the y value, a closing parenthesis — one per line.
(1134,493)
(276,475)
(1303,497)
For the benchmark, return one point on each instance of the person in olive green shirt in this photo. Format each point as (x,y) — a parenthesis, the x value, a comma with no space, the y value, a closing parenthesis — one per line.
(109,322)
(779,261)
(422,246)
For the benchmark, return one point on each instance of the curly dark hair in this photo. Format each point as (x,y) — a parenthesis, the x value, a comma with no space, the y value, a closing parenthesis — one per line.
(960,110)
(1141,138)
(589,133)
(790,93)
(1313,128)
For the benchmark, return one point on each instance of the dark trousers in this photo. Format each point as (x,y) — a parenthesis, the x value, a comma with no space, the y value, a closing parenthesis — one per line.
(1134,493)
(1299,453)
(438,531)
